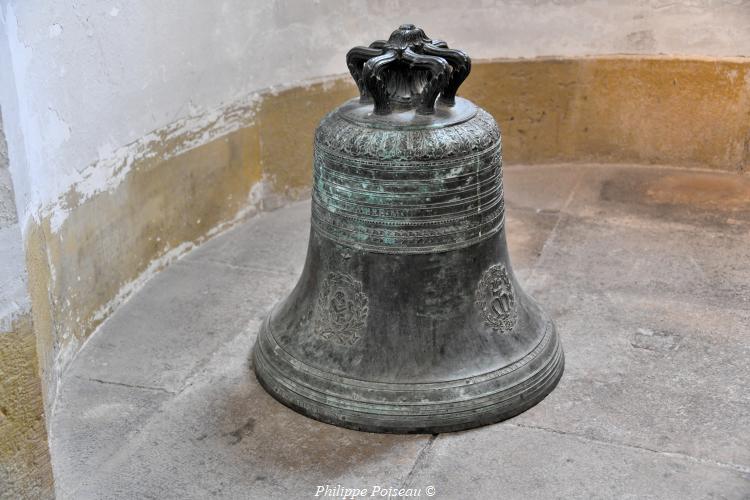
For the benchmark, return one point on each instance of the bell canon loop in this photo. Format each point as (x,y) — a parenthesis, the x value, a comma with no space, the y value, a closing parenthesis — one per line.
(408,317)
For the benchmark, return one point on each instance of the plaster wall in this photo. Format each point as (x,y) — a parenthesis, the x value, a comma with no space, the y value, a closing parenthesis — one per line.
(7,207)
(94,77)
(13,295)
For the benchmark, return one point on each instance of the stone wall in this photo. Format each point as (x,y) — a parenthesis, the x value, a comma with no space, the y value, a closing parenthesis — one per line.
(25,469)
(628,109)
(616,109)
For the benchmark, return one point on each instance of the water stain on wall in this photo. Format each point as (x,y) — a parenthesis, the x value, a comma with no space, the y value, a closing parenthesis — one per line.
(628,109)
(25,470)
(81,270)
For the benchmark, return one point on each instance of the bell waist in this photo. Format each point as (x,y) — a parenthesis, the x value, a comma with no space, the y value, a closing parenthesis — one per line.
(408,206)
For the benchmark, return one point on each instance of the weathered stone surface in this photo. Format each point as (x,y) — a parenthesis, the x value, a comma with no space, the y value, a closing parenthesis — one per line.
(648,110)
(178,190)
(530,230)
(650,288)
(272,240)
(178,321)
(97,420)
(287,123)
(83,269)
(25,470)
(652,373)
(223,436)
(14,297)
(516,462)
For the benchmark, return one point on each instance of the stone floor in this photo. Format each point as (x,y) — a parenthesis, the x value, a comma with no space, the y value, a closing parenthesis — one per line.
(645,270)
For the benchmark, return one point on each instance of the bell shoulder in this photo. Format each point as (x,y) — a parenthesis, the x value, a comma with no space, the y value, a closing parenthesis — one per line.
(340,135)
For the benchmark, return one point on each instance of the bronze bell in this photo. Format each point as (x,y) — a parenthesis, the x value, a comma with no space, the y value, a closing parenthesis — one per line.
(407,316)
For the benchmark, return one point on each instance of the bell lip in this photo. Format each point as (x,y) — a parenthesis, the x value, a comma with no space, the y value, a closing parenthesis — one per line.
(362,114)
(498,402)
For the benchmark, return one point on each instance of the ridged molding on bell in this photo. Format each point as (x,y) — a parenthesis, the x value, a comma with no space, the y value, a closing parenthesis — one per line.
(403,190)
(407,316)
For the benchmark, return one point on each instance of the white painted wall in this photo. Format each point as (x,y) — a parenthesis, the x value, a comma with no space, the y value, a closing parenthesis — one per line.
(14,300)
(82,80)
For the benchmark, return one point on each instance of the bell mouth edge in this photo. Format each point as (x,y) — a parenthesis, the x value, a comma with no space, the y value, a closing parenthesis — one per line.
(499,400)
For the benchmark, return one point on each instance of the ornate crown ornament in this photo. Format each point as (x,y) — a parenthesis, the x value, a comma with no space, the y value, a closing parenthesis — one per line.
(409,70)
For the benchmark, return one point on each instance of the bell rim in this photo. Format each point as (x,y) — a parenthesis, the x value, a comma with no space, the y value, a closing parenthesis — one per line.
(498,402)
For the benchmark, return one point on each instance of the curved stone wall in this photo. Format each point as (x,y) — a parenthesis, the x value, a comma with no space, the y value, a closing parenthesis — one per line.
(689,112)
(620,109)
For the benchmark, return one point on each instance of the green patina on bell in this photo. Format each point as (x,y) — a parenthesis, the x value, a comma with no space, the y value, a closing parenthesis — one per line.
(407,316)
